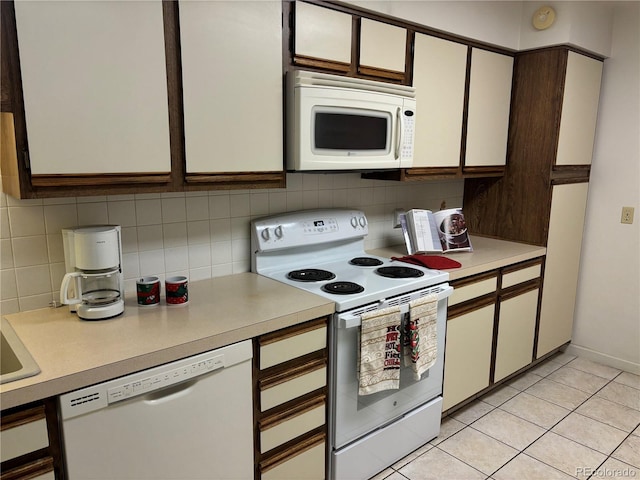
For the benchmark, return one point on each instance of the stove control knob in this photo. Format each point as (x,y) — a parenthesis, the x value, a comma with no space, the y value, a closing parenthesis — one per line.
(362,221)
(265,234)
(278,231)
(354,222)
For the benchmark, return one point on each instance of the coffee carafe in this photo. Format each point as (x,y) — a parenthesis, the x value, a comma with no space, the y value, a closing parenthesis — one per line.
(93,286)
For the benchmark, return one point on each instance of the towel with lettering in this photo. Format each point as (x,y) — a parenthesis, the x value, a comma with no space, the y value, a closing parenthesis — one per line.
(421,338)
(379,359)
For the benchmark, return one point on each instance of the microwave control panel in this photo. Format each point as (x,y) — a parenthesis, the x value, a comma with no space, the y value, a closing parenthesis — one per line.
(409,123)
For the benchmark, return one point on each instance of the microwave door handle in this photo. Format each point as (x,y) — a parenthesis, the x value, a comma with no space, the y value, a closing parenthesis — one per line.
(399,131)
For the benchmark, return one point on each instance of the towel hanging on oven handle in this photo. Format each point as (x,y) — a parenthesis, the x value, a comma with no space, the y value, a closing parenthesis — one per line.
(352,320)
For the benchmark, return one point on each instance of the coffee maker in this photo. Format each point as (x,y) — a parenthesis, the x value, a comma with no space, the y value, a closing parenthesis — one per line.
(93,286)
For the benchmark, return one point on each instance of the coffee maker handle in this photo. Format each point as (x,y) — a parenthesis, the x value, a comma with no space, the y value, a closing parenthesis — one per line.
(64,289)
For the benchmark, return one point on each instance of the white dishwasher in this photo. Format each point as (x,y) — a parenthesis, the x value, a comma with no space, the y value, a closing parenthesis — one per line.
(189,419)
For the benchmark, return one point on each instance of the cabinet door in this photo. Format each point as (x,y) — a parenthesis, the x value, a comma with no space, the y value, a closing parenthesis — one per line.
(382,46)
(516,330)
(95,86)
(467,360)
(322,34)
(579,110)
(489,106)
(566,222)
(439,72)
(232,84)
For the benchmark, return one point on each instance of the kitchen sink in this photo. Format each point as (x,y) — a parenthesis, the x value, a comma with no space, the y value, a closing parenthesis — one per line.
(15,360)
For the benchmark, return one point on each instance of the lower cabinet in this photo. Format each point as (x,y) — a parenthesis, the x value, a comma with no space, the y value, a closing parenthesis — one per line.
(566,223)
(29,443)
(290,402)
(467,360)
(491,330)
(516,332)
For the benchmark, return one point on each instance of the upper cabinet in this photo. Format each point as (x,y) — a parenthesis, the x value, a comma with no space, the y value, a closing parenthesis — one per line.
(94,83)
(439,73)
(133,97)
(382,47)
(579,110)
(322,37)
(335,40)
(232,87)
(488,110)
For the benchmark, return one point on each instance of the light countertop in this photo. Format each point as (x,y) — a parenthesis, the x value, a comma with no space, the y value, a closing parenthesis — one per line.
(74,353)
(488,254)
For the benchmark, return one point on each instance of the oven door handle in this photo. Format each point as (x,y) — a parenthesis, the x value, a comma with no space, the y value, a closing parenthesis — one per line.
(349,320)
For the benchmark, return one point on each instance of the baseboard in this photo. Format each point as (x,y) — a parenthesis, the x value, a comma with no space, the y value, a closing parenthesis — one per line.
(603,358)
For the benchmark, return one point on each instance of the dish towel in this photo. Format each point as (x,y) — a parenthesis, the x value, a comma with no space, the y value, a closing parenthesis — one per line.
(421,338)
(380,351)
(430,261)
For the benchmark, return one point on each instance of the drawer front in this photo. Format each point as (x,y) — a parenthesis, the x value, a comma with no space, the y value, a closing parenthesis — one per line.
(22,439)
(292,347)
(291,428)
(473,290)
(308,465)
(294,388)
(519,276)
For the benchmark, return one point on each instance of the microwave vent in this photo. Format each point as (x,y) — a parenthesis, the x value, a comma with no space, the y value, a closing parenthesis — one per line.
(305,78)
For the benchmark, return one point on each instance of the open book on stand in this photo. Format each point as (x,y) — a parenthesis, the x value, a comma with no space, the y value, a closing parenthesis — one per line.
(435,232)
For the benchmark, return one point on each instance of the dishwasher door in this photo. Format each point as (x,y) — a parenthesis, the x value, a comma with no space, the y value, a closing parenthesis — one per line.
(190,419)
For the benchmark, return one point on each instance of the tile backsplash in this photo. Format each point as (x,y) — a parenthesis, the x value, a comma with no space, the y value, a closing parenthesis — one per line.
(197,234)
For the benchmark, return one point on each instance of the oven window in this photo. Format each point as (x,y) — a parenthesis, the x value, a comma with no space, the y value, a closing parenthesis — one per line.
(340,130)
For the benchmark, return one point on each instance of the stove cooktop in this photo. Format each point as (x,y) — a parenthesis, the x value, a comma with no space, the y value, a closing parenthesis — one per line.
(352,285)
(322,251)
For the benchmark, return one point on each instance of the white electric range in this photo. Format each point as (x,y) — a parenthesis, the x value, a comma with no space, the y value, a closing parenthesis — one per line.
(322,251)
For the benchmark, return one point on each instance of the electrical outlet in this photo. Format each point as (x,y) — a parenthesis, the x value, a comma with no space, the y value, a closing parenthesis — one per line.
(627,215)
(396,217)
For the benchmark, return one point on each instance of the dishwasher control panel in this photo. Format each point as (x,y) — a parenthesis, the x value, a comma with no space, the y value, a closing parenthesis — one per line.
(164,379)
(100,396)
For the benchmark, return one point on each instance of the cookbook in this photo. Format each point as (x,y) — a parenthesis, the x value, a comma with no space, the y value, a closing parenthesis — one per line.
(443,231)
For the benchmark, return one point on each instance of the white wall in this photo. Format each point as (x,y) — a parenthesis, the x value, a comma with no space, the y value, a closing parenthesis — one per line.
(497,23)
(508,23)
(583,24)
(607,326)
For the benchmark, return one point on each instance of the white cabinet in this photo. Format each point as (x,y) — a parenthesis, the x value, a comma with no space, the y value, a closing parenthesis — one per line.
(322,33)
(439,72)
(232,84)
(566,222)
(579,110)
(489,107)
(467,361)
(95,86)
(516,331)
(382,46)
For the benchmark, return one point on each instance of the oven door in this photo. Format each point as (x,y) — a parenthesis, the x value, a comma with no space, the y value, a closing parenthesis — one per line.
(353,415)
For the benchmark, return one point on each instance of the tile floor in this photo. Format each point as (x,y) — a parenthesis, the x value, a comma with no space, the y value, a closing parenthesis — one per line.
(565,418)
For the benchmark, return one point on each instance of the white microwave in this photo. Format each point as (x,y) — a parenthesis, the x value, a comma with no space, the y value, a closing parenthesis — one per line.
(345,123)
